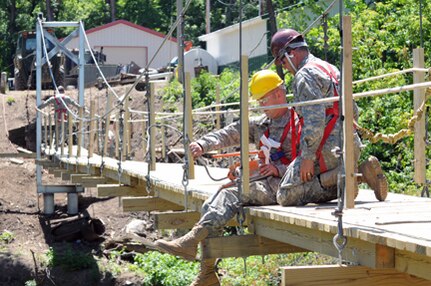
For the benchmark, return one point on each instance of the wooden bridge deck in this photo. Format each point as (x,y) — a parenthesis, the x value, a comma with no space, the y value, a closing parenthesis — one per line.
(395,234)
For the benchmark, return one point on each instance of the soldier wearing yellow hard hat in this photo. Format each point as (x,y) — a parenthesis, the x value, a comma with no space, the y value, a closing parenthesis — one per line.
(275,131)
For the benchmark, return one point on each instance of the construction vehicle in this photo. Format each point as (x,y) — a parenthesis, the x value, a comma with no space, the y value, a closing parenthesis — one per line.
(25,63)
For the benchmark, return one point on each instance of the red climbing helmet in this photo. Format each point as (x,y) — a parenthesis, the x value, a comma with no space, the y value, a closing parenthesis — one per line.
(283,40)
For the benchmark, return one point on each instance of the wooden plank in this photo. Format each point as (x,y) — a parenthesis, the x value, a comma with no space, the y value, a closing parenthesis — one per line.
(356,250)
(245,168)
(92,182)
(324,275)
(17,155)
(244,245)
(113,190)
(46,163)
(176,220)
(348,145)
(92,127)
(149,204)
(16,161)
(65,176)
(58,172)
(125,178)
(189,123)
(413,263)
(420,132)
(77,178)
(152,131)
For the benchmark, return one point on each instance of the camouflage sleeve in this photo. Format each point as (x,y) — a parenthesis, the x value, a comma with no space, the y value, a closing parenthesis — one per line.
(46,103)
(308,85)
(227,137)
(70,101)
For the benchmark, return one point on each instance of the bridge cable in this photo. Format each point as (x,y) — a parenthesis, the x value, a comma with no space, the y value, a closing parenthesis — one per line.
(340,240)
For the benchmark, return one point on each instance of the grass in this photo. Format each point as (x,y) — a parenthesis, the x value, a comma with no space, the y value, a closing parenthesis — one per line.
(6,237)
(70,259)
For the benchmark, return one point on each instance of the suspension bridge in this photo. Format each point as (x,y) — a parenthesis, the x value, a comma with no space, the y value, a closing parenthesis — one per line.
(377,243)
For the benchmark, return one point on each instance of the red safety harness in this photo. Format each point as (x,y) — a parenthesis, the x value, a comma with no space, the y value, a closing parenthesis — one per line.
(295,136)
(334,111)
(60,111)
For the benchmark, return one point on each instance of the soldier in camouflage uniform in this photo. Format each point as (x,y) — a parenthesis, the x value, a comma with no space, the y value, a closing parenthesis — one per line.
(60,102)
(277,126)
(312,176)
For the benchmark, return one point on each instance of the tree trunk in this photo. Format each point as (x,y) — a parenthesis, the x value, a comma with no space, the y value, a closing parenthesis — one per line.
(49,12)
(113,10)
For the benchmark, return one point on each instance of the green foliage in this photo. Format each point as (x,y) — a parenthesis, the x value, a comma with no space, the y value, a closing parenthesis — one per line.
(70,259)
(10,100)
(6,237)
(203,90)
(30,283)
(165,269)
(263,271)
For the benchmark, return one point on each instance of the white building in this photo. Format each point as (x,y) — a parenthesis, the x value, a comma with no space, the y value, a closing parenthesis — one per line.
(123,42)
(223,44)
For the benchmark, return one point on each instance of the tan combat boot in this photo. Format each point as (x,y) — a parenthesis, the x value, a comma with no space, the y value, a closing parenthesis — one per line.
(330,178)
(372,175)
(207,275)
(185,246)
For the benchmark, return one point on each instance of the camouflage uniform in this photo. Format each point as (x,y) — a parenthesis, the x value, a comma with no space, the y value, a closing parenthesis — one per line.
(60,111)
(221,207)
(311,83)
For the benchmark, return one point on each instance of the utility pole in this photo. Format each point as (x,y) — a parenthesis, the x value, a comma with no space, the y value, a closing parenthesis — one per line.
(272,21)
(208,17)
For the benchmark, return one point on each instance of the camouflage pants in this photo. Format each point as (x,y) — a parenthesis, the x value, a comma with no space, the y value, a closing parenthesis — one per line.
(294,192)
(225,204)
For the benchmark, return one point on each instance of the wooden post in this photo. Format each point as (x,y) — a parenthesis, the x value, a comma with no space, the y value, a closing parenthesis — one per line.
(117,135)
(50,131)
(92,126)
(63,136)
(348,131)
(419,137)
(152,120)
(56,130)
(189,124)
(80,133)
(126,130)
(244,127)
(217,109)
(107,123)
(144,136)
(46,130)
(162,132)
(70,134)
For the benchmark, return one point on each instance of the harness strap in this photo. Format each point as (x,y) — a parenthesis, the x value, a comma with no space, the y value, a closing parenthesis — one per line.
(295,135)
(60,110)
(334,111)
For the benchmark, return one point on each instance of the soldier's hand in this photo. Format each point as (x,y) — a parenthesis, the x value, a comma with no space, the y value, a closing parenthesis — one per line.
(196,149)
(307,170)
(268,170)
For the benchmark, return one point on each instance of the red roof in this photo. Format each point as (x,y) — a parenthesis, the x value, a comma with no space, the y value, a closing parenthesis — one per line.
(124,22)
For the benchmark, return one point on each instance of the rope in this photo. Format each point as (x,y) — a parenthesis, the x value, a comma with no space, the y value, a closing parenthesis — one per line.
(393,138)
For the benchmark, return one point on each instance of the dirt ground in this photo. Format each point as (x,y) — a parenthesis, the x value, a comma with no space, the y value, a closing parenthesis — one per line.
(23,258)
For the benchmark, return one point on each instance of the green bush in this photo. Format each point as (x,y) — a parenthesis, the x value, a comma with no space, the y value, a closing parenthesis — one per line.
(6,237)
(165,269)
(70,259)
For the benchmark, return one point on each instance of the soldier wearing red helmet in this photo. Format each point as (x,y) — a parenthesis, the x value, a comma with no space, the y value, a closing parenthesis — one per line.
(312,177)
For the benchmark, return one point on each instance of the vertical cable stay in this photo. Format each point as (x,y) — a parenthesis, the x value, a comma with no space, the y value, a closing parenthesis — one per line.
(340,240)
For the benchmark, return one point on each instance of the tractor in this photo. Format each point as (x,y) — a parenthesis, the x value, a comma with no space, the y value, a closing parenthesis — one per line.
(25,63)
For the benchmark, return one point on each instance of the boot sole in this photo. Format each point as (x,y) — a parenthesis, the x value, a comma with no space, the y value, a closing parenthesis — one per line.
(381,187)
(167,249)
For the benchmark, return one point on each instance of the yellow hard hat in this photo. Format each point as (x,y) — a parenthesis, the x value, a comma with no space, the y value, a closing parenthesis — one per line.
(263,82)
